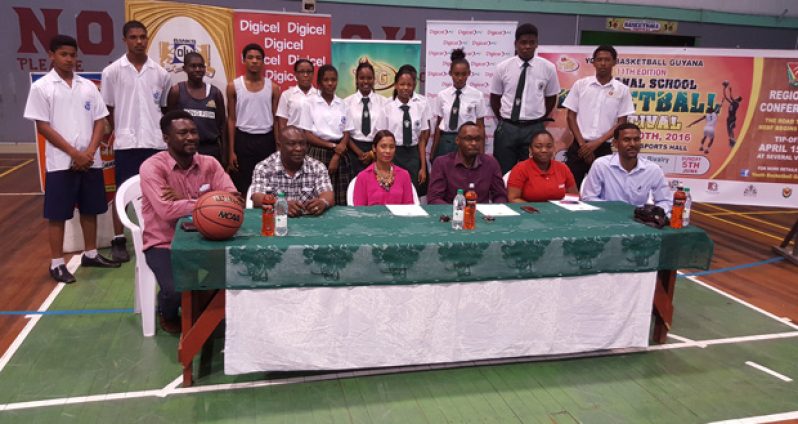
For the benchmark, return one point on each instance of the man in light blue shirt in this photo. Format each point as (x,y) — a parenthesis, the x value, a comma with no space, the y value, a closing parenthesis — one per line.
(626,177)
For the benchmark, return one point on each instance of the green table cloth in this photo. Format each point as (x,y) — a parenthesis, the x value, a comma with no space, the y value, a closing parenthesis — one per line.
(369,246)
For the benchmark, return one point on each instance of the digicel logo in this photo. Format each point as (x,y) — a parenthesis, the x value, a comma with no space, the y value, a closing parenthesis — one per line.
(792,73)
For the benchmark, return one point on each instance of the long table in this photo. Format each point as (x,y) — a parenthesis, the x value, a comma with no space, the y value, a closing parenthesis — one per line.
(369,247)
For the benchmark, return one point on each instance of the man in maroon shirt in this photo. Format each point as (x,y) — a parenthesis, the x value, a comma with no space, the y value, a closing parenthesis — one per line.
(171,182)
(467,165)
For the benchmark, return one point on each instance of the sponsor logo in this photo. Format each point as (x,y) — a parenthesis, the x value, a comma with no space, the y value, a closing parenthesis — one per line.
(745,172)
(440,31)
(712,187)
(491,53)
(786,192)
(502,32)
(792,73)
(230,215)
(750,191)
(171,54)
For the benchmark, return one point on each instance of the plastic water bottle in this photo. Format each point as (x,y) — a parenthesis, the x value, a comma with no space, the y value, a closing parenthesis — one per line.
(470,215)
(281,215)
(458,210)
(688,203)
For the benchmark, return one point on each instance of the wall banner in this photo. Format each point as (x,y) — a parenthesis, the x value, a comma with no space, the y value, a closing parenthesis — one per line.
(709,117)
(386,57)
(485,45)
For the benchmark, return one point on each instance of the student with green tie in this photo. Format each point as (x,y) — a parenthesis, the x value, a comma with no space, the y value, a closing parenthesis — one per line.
(456,105)
(523,93)
(364,110)
(407,117)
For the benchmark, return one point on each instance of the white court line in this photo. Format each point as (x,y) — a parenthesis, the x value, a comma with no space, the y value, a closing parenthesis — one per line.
(22,194)
(680,338)
(72,266)
(784,416)
(784,321)
(172,389)
(767,370)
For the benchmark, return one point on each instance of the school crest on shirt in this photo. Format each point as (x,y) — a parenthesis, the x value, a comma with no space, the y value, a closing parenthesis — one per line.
(87,105)
(156,96)
(540,85)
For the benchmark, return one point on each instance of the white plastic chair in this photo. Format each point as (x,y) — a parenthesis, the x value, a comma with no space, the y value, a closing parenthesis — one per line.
(350,193)
(145,282)
(248,201)
(506,178)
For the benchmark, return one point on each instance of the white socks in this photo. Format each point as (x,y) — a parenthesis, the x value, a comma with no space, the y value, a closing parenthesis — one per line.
(91,254)
(55,263)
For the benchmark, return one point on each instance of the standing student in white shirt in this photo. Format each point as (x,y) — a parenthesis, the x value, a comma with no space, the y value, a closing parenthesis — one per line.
(523,92)
(135,89)
(289,108)
(407,116)
(251,103)
(364,110)
(596,105)
(68,112)
(455,106)
(327,130)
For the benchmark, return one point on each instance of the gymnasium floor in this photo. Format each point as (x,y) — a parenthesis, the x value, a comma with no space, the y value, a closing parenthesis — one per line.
(82,359)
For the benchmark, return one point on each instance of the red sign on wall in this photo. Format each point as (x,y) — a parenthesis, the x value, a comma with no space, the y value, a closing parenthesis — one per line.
(285,38)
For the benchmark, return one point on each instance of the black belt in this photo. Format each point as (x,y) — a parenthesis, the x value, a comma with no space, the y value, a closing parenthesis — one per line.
(521,123)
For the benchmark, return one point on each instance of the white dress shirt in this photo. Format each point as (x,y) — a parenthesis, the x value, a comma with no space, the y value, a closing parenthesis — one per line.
(419,118)
(597,106)
(326,121)
(289,106)
(541,82)
(608,180)
(137,99)
(354,110)
(70,111)
(472,106)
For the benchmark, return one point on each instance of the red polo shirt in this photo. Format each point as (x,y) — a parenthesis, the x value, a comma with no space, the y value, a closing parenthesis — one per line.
(539,186)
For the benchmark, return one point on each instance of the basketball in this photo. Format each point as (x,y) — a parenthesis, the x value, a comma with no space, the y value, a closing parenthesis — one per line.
(218,215)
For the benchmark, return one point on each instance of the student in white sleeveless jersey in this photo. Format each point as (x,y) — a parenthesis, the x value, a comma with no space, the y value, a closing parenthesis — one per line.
(251,102)
(289,109)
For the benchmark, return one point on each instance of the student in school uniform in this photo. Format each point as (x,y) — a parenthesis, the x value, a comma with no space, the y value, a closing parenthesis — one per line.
(251,102)
(327,130)
(523,93)
(456,105)
(364,111)
(205,103)
(289,108)
(69,112)
(407,117)
(134,87)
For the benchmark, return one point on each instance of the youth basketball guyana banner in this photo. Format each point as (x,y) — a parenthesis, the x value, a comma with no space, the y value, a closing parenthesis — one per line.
(723,122)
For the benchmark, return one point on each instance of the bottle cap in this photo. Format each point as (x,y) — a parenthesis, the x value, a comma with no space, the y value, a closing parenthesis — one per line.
(280,194)
(459,191)
(687,189)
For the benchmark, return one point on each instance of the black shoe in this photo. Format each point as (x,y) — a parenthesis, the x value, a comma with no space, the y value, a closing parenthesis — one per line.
(119,250)
(62,274)
(171,326)
(98,261)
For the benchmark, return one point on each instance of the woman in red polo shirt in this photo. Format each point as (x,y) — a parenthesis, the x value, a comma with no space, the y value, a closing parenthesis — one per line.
(539,178)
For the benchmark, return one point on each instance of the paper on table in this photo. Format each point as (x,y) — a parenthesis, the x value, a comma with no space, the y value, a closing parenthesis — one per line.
(574,205)
(495,209)
(407,210)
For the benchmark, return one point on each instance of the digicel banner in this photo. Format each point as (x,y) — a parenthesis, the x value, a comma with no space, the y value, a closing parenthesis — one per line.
(285,38)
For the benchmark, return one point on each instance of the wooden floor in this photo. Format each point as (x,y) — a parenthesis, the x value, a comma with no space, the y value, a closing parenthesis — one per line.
(743,236)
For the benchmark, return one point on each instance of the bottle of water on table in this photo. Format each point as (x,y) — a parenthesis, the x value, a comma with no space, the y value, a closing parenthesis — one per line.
(688,203)
(458,210)
(281,215)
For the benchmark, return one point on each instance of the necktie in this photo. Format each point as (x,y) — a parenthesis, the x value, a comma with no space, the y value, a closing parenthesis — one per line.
(407,128)
(519,93)
(455,111)
(365,122)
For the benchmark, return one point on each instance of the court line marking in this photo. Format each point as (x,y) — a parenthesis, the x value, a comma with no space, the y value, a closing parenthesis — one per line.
(781,227)
(171,389)
(680,338)
(784,416)
(69,312)
(786,322)
(15,168)
(767,370)
(736,267)
(23,194)
(740,225)
(72,266)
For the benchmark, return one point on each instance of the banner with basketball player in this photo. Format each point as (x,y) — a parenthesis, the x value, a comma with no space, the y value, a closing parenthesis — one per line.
(485,43)
(386,57)
(722,122)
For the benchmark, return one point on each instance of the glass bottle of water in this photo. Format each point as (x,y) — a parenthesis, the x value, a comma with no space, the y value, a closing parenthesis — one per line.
(458,210)
(281,215)
(688,203)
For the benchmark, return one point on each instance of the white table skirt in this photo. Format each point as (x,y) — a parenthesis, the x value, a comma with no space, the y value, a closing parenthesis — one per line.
(377,326)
